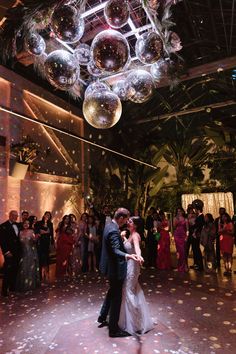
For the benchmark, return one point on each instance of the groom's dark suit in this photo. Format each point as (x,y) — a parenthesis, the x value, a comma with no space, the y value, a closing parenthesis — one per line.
(9,242)
(113,265)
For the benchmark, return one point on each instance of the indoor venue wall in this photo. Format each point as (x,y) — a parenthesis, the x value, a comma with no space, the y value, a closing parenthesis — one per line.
(53,186)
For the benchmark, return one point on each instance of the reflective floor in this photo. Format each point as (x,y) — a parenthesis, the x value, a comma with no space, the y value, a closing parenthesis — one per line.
(194,313)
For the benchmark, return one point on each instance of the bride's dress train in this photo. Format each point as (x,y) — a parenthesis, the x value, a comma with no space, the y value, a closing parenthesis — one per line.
(134,313)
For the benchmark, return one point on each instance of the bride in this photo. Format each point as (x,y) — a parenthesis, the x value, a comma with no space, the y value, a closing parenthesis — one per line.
(134,313)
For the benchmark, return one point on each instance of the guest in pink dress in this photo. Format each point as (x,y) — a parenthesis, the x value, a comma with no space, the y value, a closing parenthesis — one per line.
(180,236)
(163,248)
(226,232)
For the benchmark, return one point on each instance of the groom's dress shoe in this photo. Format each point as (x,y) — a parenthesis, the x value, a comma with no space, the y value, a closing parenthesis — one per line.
(102,321)
(119,333)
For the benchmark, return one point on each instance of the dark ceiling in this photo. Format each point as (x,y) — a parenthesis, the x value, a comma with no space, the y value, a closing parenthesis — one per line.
(207,29)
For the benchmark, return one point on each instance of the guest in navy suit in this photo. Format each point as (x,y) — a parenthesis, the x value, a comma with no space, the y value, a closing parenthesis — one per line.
(114,266)
(10,245)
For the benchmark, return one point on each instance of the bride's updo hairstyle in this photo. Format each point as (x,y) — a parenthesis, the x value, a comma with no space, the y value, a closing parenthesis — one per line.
(137,222)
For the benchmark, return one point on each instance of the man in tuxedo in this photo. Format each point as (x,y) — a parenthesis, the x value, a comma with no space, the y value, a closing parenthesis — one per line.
(114,266)
(10,245)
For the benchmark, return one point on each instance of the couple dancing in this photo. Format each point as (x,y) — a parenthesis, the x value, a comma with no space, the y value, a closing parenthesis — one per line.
(120,262)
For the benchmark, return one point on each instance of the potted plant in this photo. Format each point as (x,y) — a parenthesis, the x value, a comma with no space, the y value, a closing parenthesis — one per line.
(24,152)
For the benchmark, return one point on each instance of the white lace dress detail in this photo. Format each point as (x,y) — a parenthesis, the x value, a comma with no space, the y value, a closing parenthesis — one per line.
(134,313)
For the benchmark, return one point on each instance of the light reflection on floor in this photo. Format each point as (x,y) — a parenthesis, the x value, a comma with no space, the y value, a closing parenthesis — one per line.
(195,313)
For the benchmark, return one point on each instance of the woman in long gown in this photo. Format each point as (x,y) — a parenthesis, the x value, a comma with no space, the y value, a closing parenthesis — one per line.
(28,275)
(227,242)
(180,236)
(44,232)
(134,312)
(163,247)
(65,242)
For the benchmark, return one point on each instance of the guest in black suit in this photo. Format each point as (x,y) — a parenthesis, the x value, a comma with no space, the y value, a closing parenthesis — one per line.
(24,217)
(114,266)
(219,224)
(199,223)
(10,245)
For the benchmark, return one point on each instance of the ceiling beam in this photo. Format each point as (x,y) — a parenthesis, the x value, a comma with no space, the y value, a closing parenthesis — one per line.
(187,111)
(203,70)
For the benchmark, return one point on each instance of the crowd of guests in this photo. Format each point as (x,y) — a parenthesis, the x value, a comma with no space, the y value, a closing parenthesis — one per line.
(190,230)
(26,245)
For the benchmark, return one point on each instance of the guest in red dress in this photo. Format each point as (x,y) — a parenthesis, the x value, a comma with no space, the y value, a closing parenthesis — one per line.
(163,248)
(226,232)
(65,242)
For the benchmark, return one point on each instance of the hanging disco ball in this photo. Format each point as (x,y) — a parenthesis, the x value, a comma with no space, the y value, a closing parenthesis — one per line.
(121,89)
(110,51)
(61,69)
(148,47)
(116,13)
(35,44)
(67,24)
(160,69)
(93,70)
(102,109)
(140,86)
(82,54)
(96,86)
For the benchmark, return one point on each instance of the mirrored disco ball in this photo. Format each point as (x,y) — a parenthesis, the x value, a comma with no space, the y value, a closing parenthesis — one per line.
(61,69)
(102,109)
(82,54)
(148,47)
(116,13)
(35,44)
(140,86)
(96,86)
(121,89)
(110,51)
(67,24)
(160,69)
(93,70)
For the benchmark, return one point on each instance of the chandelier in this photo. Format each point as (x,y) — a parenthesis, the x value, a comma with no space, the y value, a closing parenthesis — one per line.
(123,57)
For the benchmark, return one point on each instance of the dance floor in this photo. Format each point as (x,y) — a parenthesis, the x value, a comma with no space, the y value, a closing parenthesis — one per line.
(194,313)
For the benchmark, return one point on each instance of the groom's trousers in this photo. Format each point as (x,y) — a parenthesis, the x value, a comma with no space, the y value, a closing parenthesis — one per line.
(112,304)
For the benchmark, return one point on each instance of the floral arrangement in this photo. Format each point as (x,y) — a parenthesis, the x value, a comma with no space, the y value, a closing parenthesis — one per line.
(26,151)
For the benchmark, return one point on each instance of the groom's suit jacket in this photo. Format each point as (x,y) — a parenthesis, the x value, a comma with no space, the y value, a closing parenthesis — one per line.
(113,263)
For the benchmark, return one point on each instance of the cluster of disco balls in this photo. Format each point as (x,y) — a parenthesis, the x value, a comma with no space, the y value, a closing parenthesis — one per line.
(109,54)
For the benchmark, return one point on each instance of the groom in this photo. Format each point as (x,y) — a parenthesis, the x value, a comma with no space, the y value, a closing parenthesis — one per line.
(114,266)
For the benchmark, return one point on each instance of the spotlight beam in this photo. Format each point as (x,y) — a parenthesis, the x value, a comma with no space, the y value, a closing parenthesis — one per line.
(66,132)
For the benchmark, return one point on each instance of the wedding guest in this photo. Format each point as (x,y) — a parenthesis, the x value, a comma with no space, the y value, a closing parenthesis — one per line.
(44,232)
(98,244)
(65,242)
(105,216)
(24,216)
(92,232)
(151,242)
(83,235)
(191,217)
(199,223)
(11,249)
(75,258)
(28,275)
(163,248)
(226,232)
(219,224)
(32,221)
(180,236)
(207,240)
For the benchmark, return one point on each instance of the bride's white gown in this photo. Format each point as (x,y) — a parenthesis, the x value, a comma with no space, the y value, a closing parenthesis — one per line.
(134,313)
